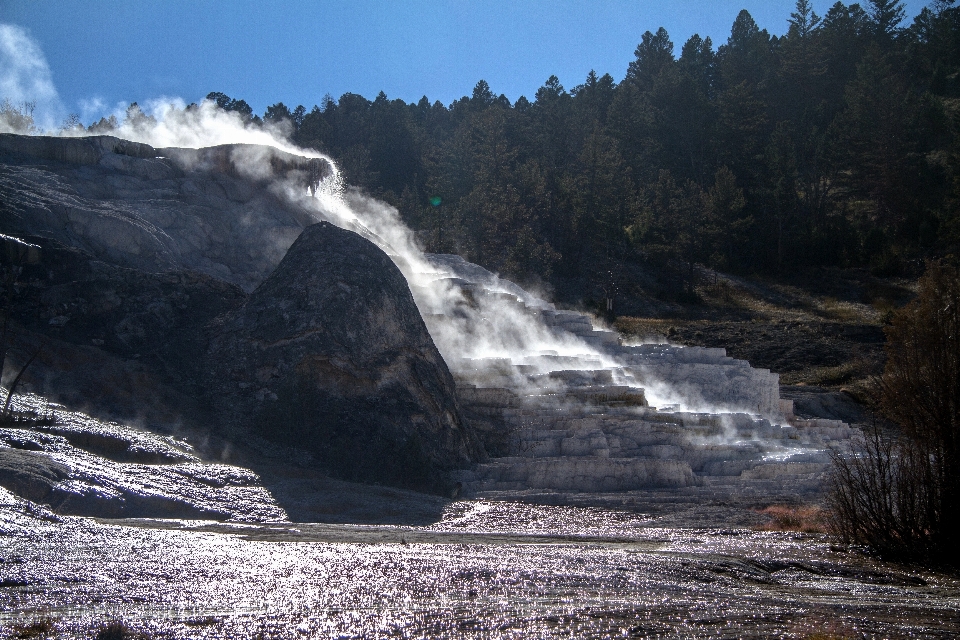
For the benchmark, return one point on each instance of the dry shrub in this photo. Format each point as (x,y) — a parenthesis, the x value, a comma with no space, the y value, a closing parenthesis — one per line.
(643,328)
(42,628)
(882,497)
(900,495)
(724,292)
(884,307)
(849,373)
(205,621)
(784,517)
(119,630)
(842,311)
(832,376)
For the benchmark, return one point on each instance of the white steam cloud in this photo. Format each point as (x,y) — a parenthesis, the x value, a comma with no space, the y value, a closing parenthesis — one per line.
(493,335)
(167,122)
(25,80)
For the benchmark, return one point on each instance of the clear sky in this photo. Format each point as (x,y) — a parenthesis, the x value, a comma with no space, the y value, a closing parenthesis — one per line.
(104,53)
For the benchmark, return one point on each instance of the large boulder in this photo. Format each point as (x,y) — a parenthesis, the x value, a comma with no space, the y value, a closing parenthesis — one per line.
(330,354)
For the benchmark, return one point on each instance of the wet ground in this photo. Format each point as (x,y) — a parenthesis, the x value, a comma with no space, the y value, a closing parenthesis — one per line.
(485,570)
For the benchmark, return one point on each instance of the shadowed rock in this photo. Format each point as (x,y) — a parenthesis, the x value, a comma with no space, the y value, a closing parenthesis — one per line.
(330,354)
(141,249)
(122,342)
(225,211)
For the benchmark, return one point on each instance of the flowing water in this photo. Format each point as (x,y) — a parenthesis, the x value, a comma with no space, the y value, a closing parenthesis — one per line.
(486,570)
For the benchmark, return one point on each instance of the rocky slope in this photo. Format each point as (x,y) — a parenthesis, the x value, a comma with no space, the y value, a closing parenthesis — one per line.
(140,250)
(122,341)
(82,466)
(161,290)
(222,211)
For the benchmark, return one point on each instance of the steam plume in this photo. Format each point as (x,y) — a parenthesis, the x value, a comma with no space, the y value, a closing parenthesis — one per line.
(25,80)
(492,335)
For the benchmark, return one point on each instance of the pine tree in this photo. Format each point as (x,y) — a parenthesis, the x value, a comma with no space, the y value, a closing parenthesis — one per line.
(886,16)
(803,21)
(653,55)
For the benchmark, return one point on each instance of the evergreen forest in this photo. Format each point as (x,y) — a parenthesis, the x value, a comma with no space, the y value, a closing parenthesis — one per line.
(837,144)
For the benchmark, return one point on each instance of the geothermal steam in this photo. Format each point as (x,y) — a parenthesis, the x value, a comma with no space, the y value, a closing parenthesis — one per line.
(495,339)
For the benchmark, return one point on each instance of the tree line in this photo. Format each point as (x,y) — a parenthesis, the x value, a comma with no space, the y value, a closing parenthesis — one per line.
(836,144)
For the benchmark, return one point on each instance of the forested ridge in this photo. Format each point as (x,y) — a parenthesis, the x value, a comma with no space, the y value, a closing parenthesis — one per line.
(837,144)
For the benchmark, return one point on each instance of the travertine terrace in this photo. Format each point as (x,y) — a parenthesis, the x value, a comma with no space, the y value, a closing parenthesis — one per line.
(689,423)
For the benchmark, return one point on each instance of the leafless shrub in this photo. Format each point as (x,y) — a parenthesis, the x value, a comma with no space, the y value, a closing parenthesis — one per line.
(119,630)
(882,497)
(786,517)
(899,494)
(17,118)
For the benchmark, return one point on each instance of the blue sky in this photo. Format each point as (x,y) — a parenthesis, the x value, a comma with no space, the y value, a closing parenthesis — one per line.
(101,54)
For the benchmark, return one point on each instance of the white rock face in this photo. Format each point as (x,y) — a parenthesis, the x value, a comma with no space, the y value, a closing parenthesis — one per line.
(156,209)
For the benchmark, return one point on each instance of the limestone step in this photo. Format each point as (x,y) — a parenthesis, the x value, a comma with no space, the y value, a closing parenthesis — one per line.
(577,411)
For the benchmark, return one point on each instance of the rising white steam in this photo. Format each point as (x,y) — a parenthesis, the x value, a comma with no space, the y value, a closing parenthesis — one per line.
(471,330)
(167,122)
(494,334)
(26,84)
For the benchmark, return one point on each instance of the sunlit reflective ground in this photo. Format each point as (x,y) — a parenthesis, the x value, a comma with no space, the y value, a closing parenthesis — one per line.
(486,570)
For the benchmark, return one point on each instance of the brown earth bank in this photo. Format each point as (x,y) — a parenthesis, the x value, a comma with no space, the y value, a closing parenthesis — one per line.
(809,353)
(817,328)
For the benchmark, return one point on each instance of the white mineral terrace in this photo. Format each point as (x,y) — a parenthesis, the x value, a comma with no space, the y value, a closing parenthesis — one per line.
(565,408)
(595,416)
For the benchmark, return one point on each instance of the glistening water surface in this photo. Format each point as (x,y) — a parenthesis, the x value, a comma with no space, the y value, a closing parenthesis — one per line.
(488,570)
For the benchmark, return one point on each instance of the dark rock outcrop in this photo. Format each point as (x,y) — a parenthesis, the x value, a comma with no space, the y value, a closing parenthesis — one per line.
(117,341)
(224,211)
(330,354)
(137,299)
